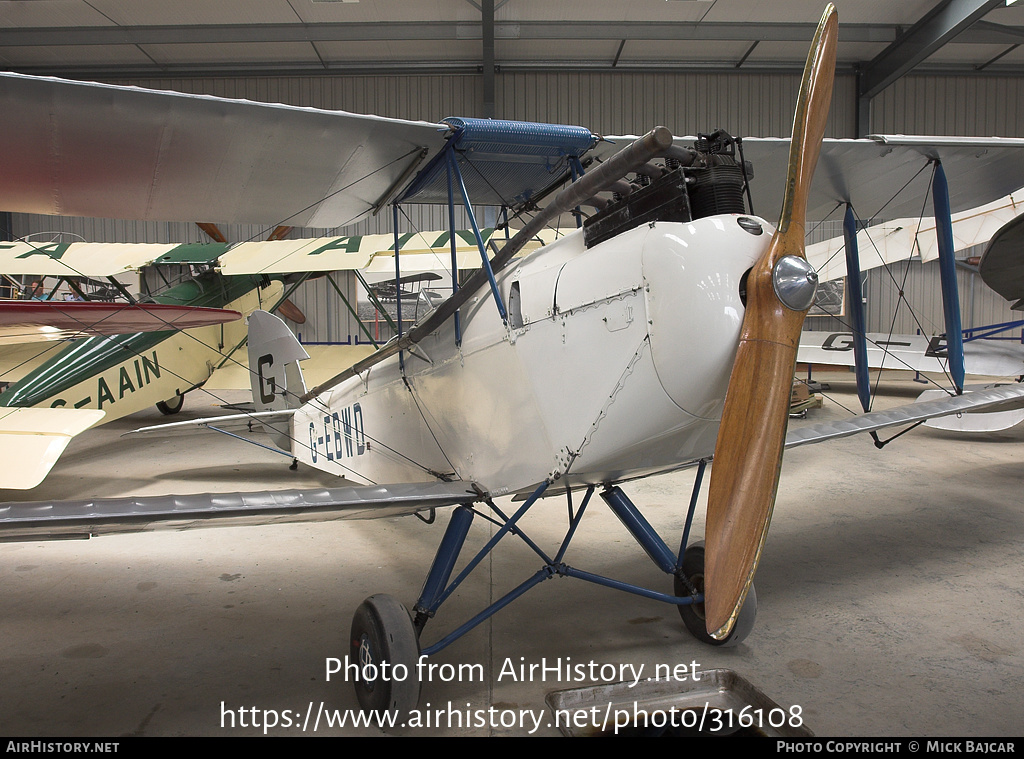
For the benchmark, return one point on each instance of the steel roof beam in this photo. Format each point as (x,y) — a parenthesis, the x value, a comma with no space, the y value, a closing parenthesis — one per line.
(431,30)
(488,29)
(944,23)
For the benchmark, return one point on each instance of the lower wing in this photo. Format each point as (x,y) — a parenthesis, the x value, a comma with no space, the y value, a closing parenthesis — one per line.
(32,439)
(63,519)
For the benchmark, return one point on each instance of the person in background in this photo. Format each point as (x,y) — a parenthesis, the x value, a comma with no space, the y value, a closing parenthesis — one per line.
(35,291)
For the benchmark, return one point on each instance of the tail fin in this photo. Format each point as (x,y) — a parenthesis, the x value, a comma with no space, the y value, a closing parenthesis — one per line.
(274,372)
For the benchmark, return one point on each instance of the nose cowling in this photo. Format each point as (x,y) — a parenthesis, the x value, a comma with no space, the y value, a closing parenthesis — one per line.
(692,276)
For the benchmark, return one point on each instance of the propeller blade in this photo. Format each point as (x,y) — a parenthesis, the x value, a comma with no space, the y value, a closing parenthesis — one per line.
(212,231)
(289,310)
(780,290)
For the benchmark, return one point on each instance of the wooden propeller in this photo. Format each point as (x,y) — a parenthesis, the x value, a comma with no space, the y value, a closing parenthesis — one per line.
(748,453)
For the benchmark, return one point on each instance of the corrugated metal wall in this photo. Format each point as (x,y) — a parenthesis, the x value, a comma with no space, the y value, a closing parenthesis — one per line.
(751,105)
(628,103)
(984,106)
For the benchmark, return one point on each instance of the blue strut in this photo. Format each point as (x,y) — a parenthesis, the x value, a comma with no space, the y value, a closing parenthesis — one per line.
(485,262)
(439,584)
(947,272)
(856,298)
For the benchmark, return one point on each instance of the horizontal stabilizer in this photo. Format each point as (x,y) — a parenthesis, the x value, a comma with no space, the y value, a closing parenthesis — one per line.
(1000,398)
(32,439)
(918,353)
(82,519)
(251,421)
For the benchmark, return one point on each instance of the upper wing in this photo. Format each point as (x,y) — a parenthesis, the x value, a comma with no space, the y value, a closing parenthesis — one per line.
(423,250)
(870,173)
(86,149)
(912,352)
(76,259)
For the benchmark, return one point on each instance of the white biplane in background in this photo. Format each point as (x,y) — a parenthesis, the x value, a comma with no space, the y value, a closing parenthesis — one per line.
(598,359)
(989,350)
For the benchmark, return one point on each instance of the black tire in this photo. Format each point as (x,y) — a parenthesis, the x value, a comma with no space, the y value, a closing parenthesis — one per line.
(693,614)
(172,405)
(383,637)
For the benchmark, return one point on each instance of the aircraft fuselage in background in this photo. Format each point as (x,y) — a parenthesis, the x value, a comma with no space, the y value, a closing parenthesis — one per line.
(123,374)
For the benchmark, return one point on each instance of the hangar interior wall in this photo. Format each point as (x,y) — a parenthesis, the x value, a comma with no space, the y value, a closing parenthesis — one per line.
(748,104)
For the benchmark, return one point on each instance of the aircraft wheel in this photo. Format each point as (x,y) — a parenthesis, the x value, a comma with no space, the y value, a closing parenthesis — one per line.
(385,646)
(693,614)
(172,406)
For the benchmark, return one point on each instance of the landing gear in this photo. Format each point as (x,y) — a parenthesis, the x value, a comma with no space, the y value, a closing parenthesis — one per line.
(693,614)
(385,642)
(171,406)
(386,648)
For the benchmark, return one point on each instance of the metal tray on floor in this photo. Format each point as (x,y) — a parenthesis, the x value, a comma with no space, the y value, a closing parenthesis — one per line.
(720,702)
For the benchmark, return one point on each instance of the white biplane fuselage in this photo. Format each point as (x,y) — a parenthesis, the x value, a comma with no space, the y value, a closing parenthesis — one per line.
(614,364)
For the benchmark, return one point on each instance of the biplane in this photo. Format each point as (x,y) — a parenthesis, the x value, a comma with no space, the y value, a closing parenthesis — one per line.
(660,335)
(993,350)
(126,356)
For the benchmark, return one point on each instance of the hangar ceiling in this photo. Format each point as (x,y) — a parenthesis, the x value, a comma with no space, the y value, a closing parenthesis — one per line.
(126,38)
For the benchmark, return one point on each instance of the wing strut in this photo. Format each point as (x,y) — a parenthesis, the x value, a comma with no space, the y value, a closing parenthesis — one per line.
(947,272)
(453,166)
(629,159)
(856,298)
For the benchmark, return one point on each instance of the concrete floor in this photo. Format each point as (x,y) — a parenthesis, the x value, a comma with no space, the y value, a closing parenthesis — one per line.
(890,595)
